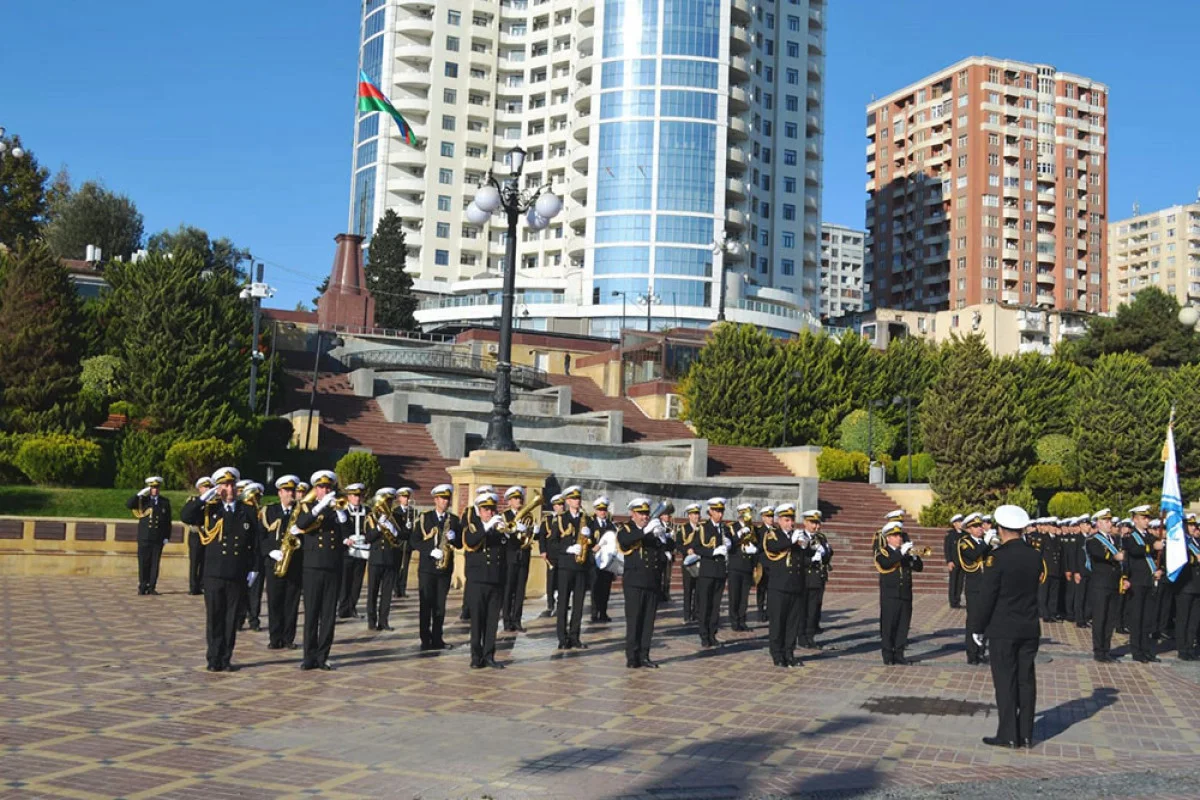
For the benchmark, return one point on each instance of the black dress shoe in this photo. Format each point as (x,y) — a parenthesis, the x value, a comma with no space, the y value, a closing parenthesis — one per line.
(519,628)
(231,668)
(1026,743)
(901,661)
(606,618)
(464,617)
(152,591)
(211,668)
(291,646)
(275,646)
(889,662)
(141,592)
(715,642)
(632,665)
(493,663)
(1152,659)
(564,645)
(549,612)
(476,665)
(386,628)
(444,646)
(428,646)
(325,665)
(994,742)
(779,662)
(256,627)
(1123,630)
(370,626)
(578,645)
(794,662)
(649,664)
(307,666)
(762,616)
(1186,657)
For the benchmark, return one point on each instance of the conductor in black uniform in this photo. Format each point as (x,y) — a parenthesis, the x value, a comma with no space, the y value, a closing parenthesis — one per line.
(484,543)
(645,544)
(323,528)
(195,550)
(972,554)
(954,576)
(153,513)
(433,538)
(896,563)
(229,534)
(1007,615)
(1105,560)
(787,553)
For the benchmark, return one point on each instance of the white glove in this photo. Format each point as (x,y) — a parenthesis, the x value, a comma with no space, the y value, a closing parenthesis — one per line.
(721,551)
(436,554)
(573,549)
(342,516)
(144,492)
(166,540)
(904,548)
(821,551)
(358,538)
(978,637)
(389,527)
(209,494)
(797,537)
(726,542)
(585,531)
(653,526)
(742,531)
(276,555)
(991,538)
(816,559)
(250,578)
(452,536)
(750,549)
(522,527)
(295,531)
(322,504)
(349,540)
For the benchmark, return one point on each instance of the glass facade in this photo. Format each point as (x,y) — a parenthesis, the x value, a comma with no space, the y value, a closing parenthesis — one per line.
(367,151)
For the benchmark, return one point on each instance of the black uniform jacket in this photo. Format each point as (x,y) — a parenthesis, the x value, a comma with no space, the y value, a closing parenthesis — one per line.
(323,536)
(425,536)
(232,551)
(895,573)
(709,538)
(786,561)
(1008,607)
(645,556)
(154,518)
(483,551)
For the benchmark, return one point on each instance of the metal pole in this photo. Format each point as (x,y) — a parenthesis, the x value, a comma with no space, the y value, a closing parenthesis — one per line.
(499,433)
(624,297)
(870,430)
(721,294)
(908,425)
(271,365)
(649,305)
(312,395)
(254,345)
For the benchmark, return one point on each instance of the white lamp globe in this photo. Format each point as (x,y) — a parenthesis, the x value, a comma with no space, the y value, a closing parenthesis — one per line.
(17,152)
(487,198)
(476,215)
(1189,316)
(535,220)
(548,205)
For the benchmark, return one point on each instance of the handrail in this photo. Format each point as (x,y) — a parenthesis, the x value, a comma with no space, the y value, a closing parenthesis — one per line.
(446,361)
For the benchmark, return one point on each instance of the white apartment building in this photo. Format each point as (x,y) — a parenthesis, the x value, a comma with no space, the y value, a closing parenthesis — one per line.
(1160,249)
(669,128)
(842,259)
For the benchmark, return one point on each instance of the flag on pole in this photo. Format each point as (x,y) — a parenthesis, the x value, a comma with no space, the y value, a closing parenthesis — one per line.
(370,98)
(1172,506)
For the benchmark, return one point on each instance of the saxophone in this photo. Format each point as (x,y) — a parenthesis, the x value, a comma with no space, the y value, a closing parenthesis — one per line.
(584,540)
(442,542)
(289,542)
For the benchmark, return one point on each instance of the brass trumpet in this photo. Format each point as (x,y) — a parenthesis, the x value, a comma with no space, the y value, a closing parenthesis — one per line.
(923,552)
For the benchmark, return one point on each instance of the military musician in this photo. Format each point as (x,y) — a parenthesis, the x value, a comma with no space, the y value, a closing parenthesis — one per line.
(666,516)
(405,516)
(1187,611)
(153,513)
(816,574)
(602,525)
(573,543)
(743,555)
(689,532)
(787,553)
(283,590)
(324,528)
(384,536)
(896,562)
(712,544)
(484,543)
(549,546)
(252,493)
(195,549)
(469,519)
(644,544)
(954,575)
(354,559)
(517,560)
(972,553)
(766,522)
(433,540)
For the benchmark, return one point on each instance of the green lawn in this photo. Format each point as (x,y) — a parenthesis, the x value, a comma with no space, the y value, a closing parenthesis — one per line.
(99,503)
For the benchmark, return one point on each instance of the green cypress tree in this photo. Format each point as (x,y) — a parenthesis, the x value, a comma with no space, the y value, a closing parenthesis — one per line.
(94,215)
(1047,389)
(390,285)
(1183,388)
(733,393)
(39,345)
(1120,422)
(1148,326)
(23,201)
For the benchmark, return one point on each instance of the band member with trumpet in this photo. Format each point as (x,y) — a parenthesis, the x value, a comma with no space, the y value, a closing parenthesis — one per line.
(404,513)
(644,544)
(574,541)
(972,555)
(602,526)
(666,515)
(766,522)
(153,513)
(195,549)
(518,556)
(1144,574)
(354,562)
(815,577)
(743,555)
(322,524)
(251,495)
(433,539)
(229,535)
(384,536)
(1105,560)
(787,552)
(549,547)
(896,561)
(284,576)
(712,544)
(688,533)
(954,575)
(484,543)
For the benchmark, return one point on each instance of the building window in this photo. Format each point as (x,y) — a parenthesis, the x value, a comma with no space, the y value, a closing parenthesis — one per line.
(789,239)
(788,266)
(789,157)
(448,149)
(789,211)
(446,176)
(443,202)
(454,17)
(452,44)
(443,230)
(441,258)
(451,69)
(789,185)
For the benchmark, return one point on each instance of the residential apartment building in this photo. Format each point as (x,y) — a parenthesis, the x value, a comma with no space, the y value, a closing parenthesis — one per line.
(669,127)
(1160,248)
(841,270)
(987,183)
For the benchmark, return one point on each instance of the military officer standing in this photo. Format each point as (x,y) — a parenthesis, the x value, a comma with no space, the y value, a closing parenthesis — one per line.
(688,535)
(324,531)
(1187,600)
(405,516)
(954,576)
(787,553)
(433,539)
(229,534)
(153,513)
(816,573)
(354,567)
(517,561)
(743,555)
(1144,574)
(601,523)
(484,544)
(1050,590)
(896,563)
(644,543)
(712,544)
(972,552)
(766,522)
(1006,613)
(666,517)
(384,536)
(195,549)
(283,592)
(1104,559)
(251,495)
(549,545)
(574,561)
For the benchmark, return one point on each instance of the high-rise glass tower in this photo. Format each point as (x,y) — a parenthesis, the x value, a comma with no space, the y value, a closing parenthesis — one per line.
(683,135)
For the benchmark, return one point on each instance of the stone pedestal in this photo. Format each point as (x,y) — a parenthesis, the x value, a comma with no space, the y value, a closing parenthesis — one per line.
(500,469)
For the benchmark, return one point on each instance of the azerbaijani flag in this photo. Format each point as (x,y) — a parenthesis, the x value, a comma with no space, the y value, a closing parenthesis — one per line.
(1172,507)
(370,98)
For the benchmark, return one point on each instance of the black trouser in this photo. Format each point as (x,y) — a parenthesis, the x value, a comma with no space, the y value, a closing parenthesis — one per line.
(813,600)
(551,585)
(1123,610)
(664,594)
(601,591)
(572,586)
(739,597)
(708,600)
(1166,608)
(149,554)
(283,606)
(974,651)
(895,615)
(381,583)
(689,596)
(786,610)
(1015,680)
(1068,604)
(432,589)
(1105,605)
(252,601)
(222,597)
(516,578)
(195,563)
(1187,622)
(1083,609)
(760,594)
(320,609)
(1141,619)
(955,583)
(1048,597)
(403,556)
(351,586)
(483,600)
(640,607)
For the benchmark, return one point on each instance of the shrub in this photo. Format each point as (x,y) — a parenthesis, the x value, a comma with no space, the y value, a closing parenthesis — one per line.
(1021,496)
(1055,448)
(125,409)
(359,468)
(138,454)
(186,461)
(1069,504)
(852,433)
(936,515)
(10,443)
(59,460)
(922,466)
(1046,477)
(100,375)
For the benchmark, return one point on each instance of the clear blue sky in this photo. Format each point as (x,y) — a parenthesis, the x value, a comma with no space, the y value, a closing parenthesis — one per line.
(236,116)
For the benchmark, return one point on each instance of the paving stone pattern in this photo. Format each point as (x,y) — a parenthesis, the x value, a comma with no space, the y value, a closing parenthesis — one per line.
(104,694)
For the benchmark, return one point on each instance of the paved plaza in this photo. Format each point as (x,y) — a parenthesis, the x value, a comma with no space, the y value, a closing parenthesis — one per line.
(104,694)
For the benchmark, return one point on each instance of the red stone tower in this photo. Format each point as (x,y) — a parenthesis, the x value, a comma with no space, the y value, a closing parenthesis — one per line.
(347,301)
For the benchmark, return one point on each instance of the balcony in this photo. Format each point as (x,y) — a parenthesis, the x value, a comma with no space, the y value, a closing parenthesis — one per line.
(1031,322)
(815,18)
(1041,348)
(740,11)
(410,76)
(739,40)
(810,202)
(581,130)
(812,124)
(420,53)
(1046,216)
(739,100)
(576,215)
(1012,151)
(1010,298)
(735,219)
(1010,275)
(1046,197)
(579,188)
(814,99)
(814,69)
(583,68)
(587,11)
(812,177)
(1046,257)
(416,25)
(1045,299)
(737,157)
(812,151)
(738,129)
(739,69)
(1046,279)
(1072,328)
(1010,254)
(583,97)
(410,104)
(735,188)
(579,157)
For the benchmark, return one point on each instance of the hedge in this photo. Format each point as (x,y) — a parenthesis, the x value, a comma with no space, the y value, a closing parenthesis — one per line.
(1069,504)
(359,468)
(1046,477)
(186,461)
(140,454)
(922,467)
(59,460)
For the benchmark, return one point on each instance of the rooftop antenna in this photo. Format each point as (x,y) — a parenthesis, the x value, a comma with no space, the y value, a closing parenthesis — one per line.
(1136,208)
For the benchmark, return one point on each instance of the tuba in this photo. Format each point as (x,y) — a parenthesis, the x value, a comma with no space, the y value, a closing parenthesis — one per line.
(382,511)
(529,515)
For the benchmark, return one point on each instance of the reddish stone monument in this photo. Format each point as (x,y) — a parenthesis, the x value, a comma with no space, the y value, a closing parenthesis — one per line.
(347,301)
